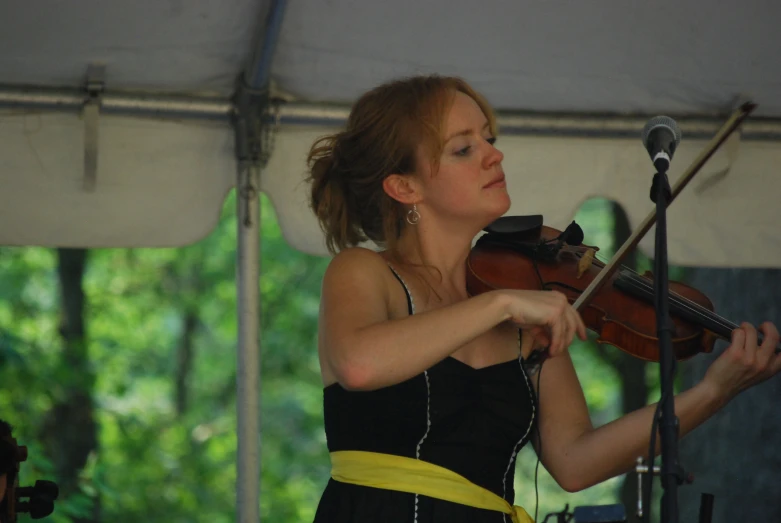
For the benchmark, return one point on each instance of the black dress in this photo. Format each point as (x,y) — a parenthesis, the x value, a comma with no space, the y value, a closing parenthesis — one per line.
(471,421)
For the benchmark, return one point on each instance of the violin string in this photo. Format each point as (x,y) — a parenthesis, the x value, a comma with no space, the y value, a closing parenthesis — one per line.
(643,290)
(682,302)
(646,290)
(691,304)
(677,298)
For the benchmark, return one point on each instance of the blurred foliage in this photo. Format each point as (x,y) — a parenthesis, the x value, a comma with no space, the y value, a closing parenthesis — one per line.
(158,317)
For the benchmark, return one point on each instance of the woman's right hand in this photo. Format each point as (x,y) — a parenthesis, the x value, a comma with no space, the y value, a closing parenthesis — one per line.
(547,316)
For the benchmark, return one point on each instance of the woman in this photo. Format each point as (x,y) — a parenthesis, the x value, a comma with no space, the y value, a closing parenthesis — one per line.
(422,381)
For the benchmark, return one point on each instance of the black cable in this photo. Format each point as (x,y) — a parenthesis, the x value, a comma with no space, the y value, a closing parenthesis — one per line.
(539,445)
(651,456)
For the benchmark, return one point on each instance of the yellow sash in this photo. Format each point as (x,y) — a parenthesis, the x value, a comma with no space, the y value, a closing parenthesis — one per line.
(402,474)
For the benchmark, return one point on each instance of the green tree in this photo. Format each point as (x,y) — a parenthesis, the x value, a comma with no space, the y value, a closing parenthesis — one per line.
(159,356)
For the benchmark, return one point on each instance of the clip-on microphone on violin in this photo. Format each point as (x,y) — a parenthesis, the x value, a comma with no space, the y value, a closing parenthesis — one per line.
(572,235)
(661,137)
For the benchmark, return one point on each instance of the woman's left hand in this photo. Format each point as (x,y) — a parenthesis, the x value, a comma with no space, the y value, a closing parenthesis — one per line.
(744,363)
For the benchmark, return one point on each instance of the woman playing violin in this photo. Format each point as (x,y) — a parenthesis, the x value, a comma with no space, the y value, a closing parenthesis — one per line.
(424,386)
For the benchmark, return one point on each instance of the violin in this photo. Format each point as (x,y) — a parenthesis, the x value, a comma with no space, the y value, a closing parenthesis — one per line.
(520,252)
(536,257)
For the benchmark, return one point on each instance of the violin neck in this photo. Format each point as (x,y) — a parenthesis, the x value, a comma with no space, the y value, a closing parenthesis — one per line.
(680,306)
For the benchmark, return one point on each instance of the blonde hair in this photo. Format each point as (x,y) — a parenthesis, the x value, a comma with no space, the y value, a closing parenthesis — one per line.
(383,132)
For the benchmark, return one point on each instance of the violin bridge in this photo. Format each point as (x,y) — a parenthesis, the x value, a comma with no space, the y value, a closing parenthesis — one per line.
(585,262)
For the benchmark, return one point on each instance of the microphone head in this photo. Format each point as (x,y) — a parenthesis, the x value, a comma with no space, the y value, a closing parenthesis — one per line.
(661,121)
(577,237)
(574,234)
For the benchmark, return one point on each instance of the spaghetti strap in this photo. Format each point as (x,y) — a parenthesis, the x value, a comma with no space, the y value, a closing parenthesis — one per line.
(410,302)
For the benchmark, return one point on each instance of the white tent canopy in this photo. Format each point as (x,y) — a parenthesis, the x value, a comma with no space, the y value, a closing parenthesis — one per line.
(149,160)
(581,71)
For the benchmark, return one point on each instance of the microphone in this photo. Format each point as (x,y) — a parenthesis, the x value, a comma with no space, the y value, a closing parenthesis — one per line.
(573,234)
(661,136)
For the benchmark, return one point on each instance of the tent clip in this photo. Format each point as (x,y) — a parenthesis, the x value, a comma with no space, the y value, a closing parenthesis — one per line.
(94,86)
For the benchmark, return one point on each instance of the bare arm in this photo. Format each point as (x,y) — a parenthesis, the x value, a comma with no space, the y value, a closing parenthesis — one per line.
(364,349)
(579,456)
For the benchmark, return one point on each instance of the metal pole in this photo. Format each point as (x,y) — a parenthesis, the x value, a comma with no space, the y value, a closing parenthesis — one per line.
(550,124)
(73,100)
(318,114)
(258,72)
(248,349)
(251,100)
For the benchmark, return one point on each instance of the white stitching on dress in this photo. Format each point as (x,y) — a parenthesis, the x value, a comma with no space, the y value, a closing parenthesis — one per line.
(428,426)
(428,390)
(528,429)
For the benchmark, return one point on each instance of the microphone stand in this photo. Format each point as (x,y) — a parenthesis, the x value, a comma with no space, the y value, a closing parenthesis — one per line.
(662,196)
(671,473)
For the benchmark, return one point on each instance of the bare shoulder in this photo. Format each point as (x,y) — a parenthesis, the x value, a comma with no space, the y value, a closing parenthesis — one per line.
(356,256)
(356,266)
(354,296)
(355,287)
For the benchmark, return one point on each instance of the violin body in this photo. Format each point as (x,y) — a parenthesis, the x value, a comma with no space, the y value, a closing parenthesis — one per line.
(622,312)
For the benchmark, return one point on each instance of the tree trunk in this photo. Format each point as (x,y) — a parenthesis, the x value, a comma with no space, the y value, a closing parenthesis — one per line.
(634,389)
(735,456)
(184,361)
(71,429)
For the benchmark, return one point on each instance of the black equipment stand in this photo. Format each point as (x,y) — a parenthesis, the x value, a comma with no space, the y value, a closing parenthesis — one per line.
(672,475)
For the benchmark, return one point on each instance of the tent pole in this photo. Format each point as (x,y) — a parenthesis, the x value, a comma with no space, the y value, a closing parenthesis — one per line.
(35,98)
(258,71)
(252,101)
(150,105)
(248,349)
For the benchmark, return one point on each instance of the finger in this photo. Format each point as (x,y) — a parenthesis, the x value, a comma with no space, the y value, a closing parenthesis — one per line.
(572,327)
(565,322)
(569,329)
(582,333)
(566,334)
(541,338)
(750,344)
(771,335)
(564,339)
(767,349)
(557,335)
(736,345)
(578,327)
(554,338)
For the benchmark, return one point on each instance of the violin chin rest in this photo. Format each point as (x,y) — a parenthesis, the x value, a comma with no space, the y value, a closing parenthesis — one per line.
(515,225)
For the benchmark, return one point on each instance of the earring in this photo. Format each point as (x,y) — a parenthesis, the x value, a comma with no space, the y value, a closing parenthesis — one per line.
(413,216)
